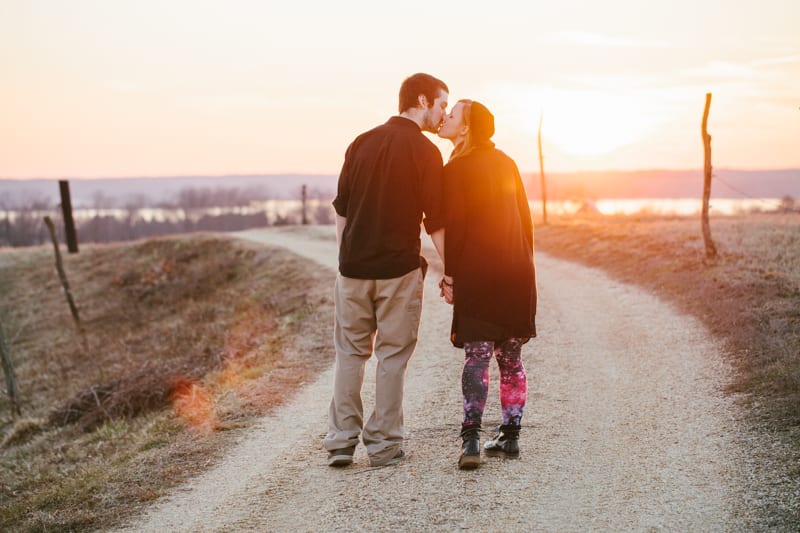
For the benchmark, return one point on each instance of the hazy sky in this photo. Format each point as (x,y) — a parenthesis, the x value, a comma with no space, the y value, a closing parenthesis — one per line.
(175,87)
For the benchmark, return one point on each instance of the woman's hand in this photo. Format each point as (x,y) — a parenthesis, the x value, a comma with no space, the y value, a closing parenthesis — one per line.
(446,289)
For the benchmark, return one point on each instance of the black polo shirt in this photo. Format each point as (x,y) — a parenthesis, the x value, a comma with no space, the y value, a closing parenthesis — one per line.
(390,183)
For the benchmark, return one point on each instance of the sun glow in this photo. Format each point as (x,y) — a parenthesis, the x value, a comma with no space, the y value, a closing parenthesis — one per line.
(585,123)
(187,88)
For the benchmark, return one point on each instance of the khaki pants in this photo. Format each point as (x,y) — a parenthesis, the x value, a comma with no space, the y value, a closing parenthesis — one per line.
(380,316)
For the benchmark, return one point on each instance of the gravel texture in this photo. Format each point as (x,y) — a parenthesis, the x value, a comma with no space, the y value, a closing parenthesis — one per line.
(626,429)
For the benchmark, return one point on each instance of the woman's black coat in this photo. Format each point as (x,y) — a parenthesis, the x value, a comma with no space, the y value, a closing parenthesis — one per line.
(489,248)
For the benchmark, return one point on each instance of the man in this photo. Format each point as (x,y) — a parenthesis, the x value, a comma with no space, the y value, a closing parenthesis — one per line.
(390,183)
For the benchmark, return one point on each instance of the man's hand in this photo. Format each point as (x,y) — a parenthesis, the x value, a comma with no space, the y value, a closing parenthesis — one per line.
(446,289)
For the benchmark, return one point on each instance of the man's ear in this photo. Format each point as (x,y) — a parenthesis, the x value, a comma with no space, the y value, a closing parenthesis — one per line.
(423,101)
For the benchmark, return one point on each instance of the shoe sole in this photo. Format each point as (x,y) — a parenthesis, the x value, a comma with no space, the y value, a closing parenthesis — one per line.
(340,460)
(469,462)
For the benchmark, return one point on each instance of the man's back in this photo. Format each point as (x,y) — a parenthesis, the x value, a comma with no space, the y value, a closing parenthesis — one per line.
(391,178)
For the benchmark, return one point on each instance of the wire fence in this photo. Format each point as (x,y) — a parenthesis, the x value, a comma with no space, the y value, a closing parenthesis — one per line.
(772,203)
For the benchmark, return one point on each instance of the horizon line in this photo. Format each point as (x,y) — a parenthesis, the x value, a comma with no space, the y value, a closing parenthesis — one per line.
(319,174)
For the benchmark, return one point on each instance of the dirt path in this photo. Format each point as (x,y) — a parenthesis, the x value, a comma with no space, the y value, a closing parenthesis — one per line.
(626,428)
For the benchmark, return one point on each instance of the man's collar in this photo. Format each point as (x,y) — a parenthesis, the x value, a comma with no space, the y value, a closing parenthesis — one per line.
(403,121)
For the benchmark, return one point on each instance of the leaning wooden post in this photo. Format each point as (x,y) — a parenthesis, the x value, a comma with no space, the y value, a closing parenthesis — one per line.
(541,172)
(63,277)
(69,222)
(11,378)
(711,250)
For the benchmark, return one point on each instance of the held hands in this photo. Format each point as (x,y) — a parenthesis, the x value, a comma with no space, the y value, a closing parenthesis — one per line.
(446,289)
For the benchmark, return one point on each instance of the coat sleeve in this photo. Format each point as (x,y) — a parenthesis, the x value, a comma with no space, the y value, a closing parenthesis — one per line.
(524,209)
(456,218)
(527,229)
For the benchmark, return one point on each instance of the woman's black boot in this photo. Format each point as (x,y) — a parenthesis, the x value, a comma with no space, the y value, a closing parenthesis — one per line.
(470,448)
(505,443)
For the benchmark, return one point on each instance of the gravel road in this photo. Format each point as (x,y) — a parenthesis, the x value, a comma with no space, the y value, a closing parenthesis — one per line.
(626,428)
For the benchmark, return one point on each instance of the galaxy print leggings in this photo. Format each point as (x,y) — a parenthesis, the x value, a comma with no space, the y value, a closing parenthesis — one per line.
(475,380)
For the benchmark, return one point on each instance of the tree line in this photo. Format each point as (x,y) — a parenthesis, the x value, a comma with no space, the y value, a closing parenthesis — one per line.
(191,209)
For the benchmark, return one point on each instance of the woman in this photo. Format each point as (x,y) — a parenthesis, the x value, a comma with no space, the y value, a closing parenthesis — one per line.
(490,276)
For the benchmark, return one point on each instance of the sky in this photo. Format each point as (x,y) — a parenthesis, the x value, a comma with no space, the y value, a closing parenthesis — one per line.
(115,88)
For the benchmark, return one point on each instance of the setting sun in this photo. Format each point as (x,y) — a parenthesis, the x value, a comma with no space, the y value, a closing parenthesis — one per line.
(586,123)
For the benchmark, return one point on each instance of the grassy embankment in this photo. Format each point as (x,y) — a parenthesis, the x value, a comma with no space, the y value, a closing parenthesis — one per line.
(188,340)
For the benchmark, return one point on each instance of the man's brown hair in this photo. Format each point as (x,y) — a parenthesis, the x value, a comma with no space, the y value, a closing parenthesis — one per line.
(418,84)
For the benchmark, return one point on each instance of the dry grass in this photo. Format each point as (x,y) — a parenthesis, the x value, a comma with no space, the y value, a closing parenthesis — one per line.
(749,296)
(188,340)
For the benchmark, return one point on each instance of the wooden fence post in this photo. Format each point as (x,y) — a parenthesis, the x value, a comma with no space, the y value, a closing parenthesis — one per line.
(69,222)
(303,196)
(541,172)
(11,378)
(711,250)
(63,277)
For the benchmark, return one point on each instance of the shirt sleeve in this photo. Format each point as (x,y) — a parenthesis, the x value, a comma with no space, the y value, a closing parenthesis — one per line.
(433,192)
(343,187)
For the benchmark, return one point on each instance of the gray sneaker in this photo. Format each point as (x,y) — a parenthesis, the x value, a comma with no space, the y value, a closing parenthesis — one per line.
(399,456)
(341,457)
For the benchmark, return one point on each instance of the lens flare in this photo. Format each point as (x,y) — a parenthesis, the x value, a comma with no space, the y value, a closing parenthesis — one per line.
(194,404)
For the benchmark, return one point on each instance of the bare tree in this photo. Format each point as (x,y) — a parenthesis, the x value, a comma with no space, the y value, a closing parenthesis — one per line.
(323,212)
(23,224)
(100,200)
(132,207)
(5,220)
(188,201)
(788,204)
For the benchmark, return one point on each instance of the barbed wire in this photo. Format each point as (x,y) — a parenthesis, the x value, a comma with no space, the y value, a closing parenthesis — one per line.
(772,203)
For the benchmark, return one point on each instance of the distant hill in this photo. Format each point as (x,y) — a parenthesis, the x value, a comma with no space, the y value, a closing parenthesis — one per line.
(727,183)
